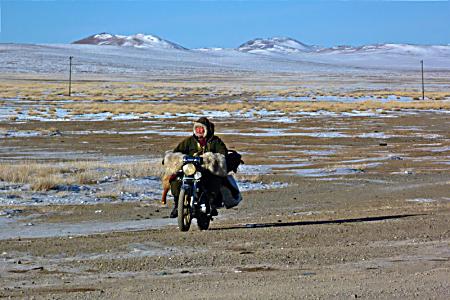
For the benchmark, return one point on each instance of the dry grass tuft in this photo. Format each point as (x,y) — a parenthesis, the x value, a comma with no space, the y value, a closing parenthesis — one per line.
(114,195)
(282,106)
(143,169)
(39,176)
(45,183)
(46,176)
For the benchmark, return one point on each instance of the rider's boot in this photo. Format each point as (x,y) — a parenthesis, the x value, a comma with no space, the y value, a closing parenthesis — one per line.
(174,212)
(213,211)
(213,204)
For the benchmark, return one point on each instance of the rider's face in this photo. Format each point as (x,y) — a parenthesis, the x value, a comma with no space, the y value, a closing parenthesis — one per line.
(199,131)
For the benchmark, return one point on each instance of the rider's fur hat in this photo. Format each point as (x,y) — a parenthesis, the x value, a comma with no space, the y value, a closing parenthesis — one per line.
(206,124)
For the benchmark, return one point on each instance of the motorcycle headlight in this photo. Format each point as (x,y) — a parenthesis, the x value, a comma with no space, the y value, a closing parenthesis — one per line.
(197,175)
(189,169)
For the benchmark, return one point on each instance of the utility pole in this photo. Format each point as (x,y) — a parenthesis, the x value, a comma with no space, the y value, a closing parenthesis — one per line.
(423,84)
(70,75)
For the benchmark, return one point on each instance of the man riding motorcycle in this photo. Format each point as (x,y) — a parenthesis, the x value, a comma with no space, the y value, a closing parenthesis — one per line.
(203,140)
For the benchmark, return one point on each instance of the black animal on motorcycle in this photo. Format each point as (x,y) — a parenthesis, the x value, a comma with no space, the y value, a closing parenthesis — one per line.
(196,172)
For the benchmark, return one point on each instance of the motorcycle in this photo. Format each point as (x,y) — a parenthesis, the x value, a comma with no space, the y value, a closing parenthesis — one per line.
(193,200)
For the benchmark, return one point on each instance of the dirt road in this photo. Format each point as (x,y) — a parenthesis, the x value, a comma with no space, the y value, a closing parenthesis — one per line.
(376,231)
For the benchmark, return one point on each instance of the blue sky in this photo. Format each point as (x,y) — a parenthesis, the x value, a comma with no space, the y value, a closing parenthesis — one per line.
(210,23)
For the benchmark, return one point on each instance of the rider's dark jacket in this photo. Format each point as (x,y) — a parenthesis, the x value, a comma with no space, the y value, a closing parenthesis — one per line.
(191,146)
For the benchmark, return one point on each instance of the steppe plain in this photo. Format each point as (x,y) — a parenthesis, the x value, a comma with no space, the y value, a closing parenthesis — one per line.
(345,185)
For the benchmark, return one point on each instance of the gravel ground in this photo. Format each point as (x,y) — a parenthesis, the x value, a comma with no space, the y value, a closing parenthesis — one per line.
(382,231)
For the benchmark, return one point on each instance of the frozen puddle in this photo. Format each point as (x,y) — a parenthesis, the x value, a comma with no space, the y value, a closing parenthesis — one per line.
(270,132)
(437,149)
(19,134)
(343,99)
(326,172)
(377,135)
(421,200)
(296,169)
(11,229)
(427,200)
(249,186)
(255,169)
(62,115)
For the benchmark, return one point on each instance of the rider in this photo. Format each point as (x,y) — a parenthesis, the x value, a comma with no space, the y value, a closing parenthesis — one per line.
(203,140)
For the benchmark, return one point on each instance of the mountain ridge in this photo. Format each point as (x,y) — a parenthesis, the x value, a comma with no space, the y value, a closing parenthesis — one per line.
(263,46)
(138,40)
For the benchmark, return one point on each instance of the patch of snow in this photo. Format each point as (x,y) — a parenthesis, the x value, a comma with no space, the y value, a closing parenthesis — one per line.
(437,149)
(270,132)
(250,186)
(376,135)
(318,152)
(254,169)
(421,200)
(19,134)
(334,99)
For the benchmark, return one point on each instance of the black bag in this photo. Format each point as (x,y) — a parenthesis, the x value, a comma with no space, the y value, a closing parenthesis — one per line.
(233,160)
(230,199)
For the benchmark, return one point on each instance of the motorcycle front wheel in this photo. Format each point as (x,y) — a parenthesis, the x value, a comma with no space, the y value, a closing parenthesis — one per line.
(184,211)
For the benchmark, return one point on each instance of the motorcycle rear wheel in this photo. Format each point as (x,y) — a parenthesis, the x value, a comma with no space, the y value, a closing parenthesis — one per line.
(184,211)
(203,221)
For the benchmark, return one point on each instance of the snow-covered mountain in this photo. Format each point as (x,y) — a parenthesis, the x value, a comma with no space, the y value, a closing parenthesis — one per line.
(284,46)
(275,45)
(402,49)
(259,55)
(137,40)
(287,46)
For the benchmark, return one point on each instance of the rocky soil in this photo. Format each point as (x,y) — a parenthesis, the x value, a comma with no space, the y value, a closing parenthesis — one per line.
(344,227)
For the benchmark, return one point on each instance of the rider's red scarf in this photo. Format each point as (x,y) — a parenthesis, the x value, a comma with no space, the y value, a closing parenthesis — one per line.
(202,141)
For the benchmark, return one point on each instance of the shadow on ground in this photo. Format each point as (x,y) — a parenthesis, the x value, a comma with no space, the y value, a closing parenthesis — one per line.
(302,223)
